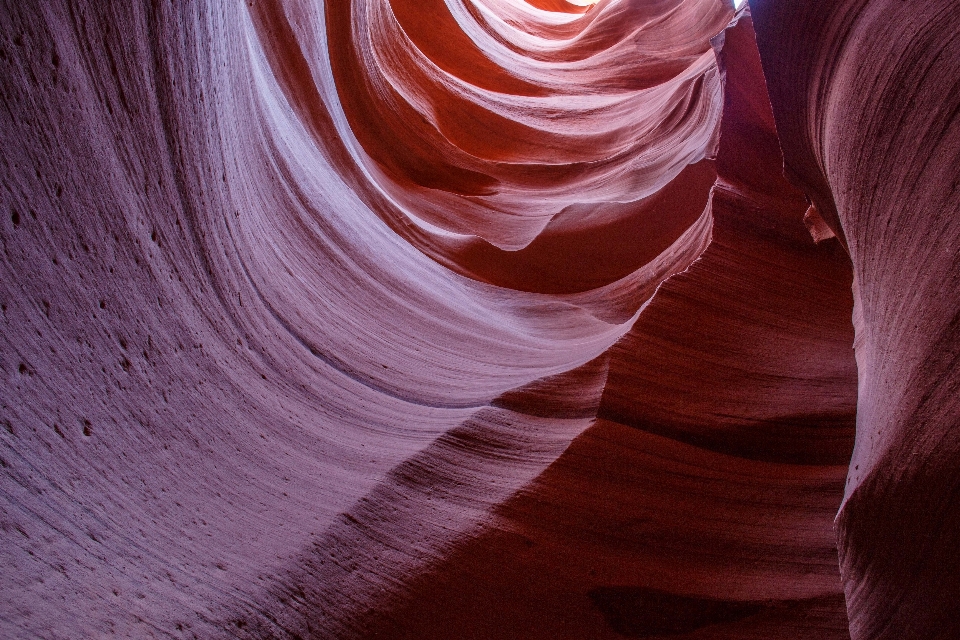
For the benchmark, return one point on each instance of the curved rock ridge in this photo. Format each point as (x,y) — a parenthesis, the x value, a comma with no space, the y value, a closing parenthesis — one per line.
(701,501)
(867,109)
(476,128)
(380,318)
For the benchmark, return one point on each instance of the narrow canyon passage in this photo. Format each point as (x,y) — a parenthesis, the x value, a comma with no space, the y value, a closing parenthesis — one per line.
(479,319)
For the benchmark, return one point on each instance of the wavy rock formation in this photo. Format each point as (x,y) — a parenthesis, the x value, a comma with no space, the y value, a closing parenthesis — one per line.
(868,110)
(475,319)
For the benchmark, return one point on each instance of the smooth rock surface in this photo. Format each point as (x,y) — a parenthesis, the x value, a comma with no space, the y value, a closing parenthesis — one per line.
(477,319)
(867,107)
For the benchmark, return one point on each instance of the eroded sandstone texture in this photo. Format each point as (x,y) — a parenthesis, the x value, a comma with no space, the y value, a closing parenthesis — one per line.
(478,319)
(868,108)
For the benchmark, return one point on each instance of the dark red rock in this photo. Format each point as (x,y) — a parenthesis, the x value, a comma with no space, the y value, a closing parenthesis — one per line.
(867,111)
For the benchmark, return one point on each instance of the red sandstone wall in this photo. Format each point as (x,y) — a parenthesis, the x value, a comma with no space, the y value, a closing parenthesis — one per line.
(470,319)
(867,110)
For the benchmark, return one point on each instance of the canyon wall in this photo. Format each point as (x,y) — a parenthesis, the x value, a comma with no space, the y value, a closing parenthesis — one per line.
(866,96)
(477,319)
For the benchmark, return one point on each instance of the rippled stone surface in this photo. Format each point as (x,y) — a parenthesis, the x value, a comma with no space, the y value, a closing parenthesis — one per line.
(473,319)
(878,148)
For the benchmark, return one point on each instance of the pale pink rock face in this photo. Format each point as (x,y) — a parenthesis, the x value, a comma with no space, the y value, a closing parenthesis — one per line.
(477,319)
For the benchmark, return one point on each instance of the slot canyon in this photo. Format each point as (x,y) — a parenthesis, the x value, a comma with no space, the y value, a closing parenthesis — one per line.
(480,319)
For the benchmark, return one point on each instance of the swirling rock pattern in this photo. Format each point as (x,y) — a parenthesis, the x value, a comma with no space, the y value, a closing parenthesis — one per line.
(473,319)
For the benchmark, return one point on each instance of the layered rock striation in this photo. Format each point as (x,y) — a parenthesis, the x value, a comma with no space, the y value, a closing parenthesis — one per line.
(476,319)
(867,109)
